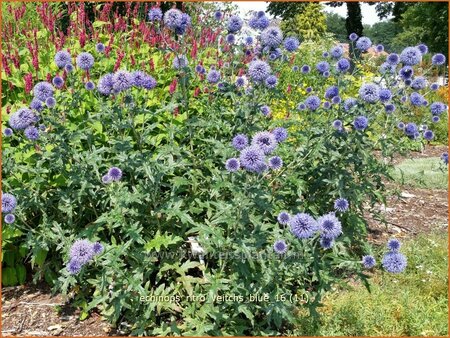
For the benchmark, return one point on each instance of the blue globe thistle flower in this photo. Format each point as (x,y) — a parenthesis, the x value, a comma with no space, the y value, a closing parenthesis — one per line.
(341,204)
(393,59)
(312,102)
(360,123)
(327,104)
(58,81)
(42,127)
(387,68)
(259,21)
(81,251)
(379,48)
(252,158)
(394,262)
(148,82)
(280,134)
(368,261)
(291,44)
(434,86)
(89,85)
(438,59)
(232,165)
(323,67)
(239,142)
(265,141)
(74,267)
(423,48)
(406,73)
(271,81)
(115,173)
(301,106)
(326,243)
(394,245)
(185,23)
(283,218)
(155,14)
(105,84)
(213,76)
(280,247)
(385,95)
(369,92)
(337,124)
(218,15)
(258,70)
(325,54)
(349,103)
(308,90)
(173,18)
(235,24)
(336,100)
(353,37)
(138,78)
(416,99)
(265,110)
(62,58)
(303,225)
(231,39)
(275,163)
(272,37)
(444,158)
(428,135)
(97,248)
(410,56)
(410,129)
(43,90)
(180,61)
(22,119)
(305,69)
(122,80)
(85,61)
(295,68)
(437,108)
(8,132)
(263,22)
(248,40)
(9,203)
(36,104)
(336,52)
(331,92)
(435,119)
(326,74)
(10,218)
(343,65)
(419,83)
(199,69)
(68,68)
(363,43)
(401,125)
(329,226)
(50,102)
(100,47)
(31,133)
(389,108)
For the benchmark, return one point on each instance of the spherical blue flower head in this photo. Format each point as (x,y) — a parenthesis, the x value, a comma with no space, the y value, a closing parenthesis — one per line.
(312,102)
(235,24)
(275,163)
(231,39)
(389,108)
(272,37)
(280,247)
(419,83)
(434,86)
(336,52)
(74,267)
(50,102)
(387,68)
(394,245)
(42,127)
(305,69)
(410,56)
(416,99)
(360,123)
(218,15)
(232,165)
(89,85)
(394,262)
(97,248)
(248,40)
(406,73)
(240,82)
(252,158)
(105,84)
(337,124)
(283,218)
(138,78)
(43,90)
(263,22)
(331,92)
(271,81)
(8,132)
(341,204)
(155,14)
(363,43)
(106,179)
(369,92)
(326,243)
(148,82)
(343,65)
(435,119)
(265,141)
(444,158)
(259,70)
(428,135)
(410,129)
(327,104)
(262,168)
(423,48)
(122,80)
(253,22)
(301,106)
(438,59)
(368,261)
(180,61)
(265,110)
(81,251)
(85,61)
(213,76)
(349,103)
(100,47)
(68,68)
(37,105)
(291,44)
(22,119)
(336,100)
(401,125)
(325,54)
(385,95)
(115,173)
(295,68)
(58,81)
(280,134)
(185,23)
(9,203)
(323,67)
(31,133)
(308,89)
(239,142)
(326,74)
(329,226)
(393,59)
(10,218)
(303,225)
(173,18)
(379,48)
(62,58)
(353,37)
(437,108)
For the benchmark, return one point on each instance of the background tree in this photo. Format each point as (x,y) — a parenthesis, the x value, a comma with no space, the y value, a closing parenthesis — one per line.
(310,24)
(336,25)
(384,32)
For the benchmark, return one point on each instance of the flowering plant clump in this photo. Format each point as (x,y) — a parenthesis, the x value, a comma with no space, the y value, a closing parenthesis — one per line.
(130,192)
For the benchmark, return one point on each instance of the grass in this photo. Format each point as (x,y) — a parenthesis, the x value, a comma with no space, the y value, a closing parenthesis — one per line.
(413,303)
(422,173)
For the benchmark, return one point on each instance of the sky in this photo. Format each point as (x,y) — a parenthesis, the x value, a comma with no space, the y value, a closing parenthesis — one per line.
(368,12)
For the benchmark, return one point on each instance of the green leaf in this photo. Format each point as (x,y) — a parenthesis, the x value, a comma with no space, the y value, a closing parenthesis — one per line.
(162,240)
